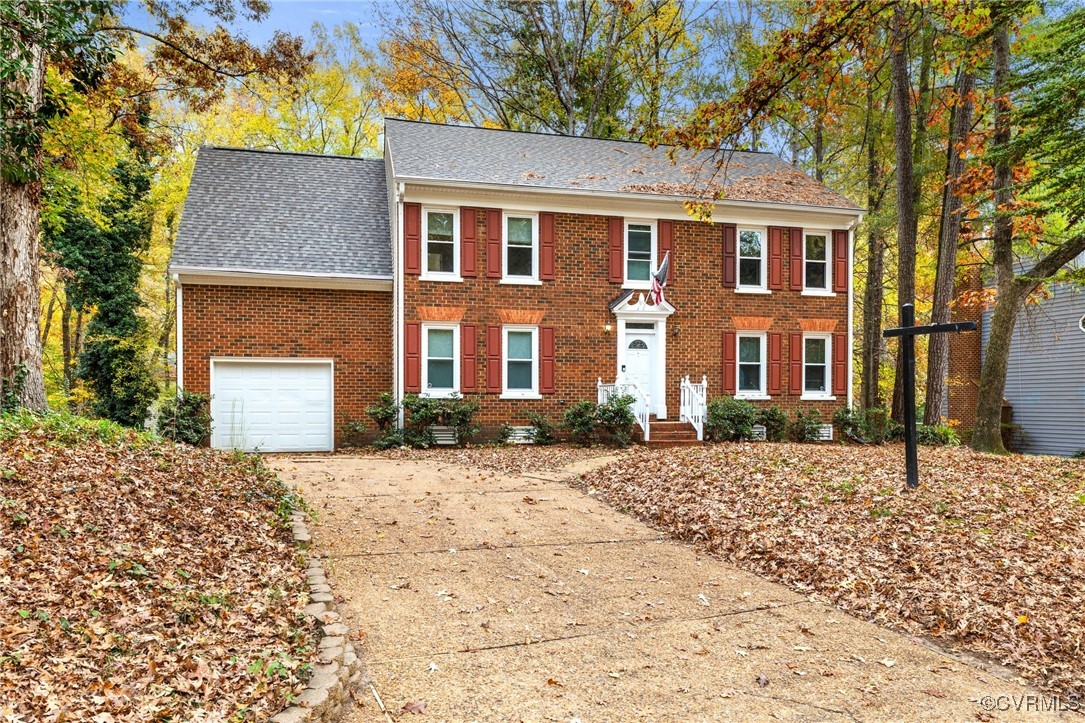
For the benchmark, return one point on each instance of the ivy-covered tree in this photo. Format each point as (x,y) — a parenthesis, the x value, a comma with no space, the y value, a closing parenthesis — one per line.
(103,263)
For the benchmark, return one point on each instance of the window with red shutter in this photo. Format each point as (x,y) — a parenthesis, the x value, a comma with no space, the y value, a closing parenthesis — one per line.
(412,238)
(840,261)
(547,241)
(776,258)
(493,359)
(729,362)
(468,358)
(546,360)
(412,357)
(468,242)
(616,247)
(730,255)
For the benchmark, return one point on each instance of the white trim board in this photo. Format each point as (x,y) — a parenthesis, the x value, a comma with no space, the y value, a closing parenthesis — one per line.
(208,277)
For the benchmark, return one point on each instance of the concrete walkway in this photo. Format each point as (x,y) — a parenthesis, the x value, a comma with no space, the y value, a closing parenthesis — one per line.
(494,598)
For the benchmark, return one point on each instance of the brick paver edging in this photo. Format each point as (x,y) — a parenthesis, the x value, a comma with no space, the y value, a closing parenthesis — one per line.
(339,669)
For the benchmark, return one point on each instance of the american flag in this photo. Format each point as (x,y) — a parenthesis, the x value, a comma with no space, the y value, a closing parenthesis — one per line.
(659,281)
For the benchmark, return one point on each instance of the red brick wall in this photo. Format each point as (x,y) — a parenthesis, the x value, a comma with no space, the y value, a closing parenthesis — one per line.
(351,327)
(964,355)
(575,303)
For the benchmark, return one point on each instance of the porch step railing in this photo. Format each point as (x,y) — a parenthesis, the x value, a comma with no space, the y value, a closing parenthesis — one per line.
(694,404)
(642,407)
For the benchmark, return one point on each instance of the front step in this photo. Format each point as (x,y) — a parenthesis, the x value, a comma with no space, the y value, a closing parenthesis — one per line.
(672,434)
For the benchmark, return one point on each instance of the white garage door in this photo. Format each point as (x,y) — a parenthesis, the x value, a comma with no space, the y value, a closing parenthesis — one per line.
(272,406)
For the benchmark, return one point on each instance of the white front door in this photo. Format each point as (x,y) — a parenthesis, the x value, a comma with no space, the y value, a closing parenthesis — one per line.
(641,362)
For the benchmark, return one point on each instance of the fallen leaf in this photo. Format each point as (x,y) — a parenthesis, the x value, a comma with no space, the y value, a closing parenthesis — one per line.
(414,707)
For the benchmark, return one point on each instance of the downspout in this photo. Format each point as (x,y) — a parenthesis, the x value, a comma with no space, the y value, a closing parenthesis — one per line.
(398,313)
(178,310)
(851,307)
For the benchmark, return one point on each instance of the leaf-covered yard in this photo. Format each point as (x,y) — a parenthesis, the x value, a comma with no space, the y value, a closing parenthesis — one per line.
(989,553)
(142,580)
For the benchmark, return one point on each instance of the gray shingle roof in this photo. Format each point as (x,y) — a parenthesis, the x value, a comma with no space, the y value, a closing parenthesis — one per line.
(267,211)
(481,155)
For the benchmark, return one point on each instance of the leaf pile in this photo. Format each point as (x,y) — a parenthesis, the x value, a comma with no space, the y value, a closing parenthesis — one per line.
(510,459)
(989,553)
(143,581)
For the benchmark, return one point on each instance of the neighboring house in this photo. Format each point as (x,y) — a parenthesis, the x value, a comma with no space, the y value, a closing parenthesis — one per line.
(1045,381)
(511,267)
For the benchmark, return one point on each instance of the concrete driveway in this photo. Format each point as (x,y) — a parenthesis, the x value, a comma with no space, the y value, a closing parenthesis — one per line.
(488,597)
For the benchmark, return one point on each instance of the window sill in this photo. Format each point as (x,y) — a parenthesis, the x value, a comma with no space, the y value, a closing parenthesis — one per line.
(446,278)
(753,396)
(513,281)
(637,285)
(447,394)
(818,292)
(520,395)
(750,290)
(817,398)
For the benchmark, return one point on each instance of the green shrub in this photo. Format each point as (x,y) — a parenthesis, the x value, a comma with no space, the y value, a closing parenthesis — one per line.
(580,421)
(352,431)
(774,420)
(385,413)
(186,418)
(542,429)
(806,427)
(871,426)
(850,423)
(504,433)
(938,435)
(421,413)
(388,439)
(459,414)
(730,420)
(616,418)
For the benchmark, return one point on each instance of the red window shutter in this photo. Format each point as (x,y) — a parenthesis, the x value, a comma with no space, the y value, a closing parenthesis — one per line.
(547,232)
(730,255)
(468,242)
(840,364)
(795,364)
(666,245)
(468,358)
(412,238)
(796,259)
(493,243)
(493,359)
(546,360)
(728,362)
(616,244)
(776,361)
(840,261)
(412,355)
(776,258)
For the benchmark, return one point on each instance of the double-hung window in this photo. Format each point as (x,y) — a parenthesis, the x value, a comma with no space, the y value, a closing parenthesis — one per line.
(440,367)
(521,359)
(816,262)
(640,253)
(815,366)
(751,260)
(440,237)
(521,248)
(751,366)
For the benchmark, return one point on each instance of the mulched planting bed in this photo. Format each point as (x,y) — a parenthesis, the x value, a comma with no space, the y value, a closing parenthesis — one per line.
(143,580)
(509,459)
(989,553)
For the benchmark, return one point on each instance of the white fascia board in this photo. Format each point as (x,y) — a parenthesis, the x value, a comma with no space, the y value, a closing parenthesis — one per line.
(542,198)
(283,279)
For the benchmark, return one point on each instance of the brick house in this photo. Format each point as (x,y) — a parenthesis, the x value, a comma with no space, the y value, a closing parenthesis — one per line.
(515,268)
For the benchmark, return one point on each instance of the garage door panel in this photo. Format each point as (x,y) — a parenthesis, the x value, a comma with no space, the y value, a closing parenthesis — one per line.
(272,406)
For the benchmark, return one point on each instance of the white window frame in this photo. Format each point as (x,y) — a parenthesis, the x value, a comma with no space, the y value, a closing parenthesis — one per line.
(654,255)
(828,393)
(428,275)
(762,287)
(762,338)
(424,354)
(807,290)
(532,393)
(505,277)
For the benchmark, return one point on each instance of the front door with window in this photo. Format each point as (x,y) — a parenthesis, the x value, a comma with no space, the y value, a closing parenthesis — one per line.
(640,360)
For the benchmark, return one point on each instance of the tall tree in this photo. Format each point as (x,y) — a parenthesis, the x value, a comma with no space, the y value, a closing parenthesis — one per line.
(1051,115)
(83,37)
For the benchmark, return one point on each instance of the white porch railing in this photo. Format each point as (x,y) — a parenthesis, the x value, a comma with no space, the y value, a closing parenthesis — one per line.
(694,405)
(641,402)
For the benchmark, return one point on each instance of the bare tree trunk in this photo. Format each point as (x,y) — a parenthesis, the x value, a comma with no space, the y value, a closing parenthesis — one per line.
(66,343)
(873,292)
(819,147)
(906,207)
(49,312)
(20,297)
(950,231)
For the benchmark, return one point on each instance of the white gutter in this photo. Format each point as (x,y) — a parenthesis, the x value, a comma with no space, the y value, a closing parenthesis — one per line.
(232,271)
